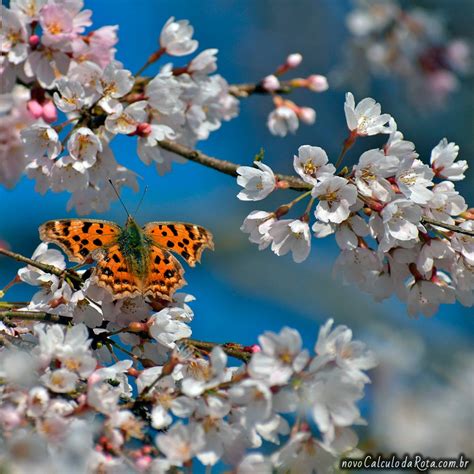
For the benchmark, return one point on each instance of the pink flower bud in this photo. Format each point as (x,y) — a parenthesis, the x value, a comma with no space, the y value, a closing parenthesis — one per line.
(255,348)
(50,113)
(317,83)
(307,115)
(270,83)
(143,129)
(34,40)
(294,60)
(34,108)
(143,462)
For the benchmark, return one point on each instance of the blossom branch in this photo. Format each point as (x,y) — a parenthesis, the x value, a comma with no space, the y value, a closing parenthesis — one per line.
(39,316)
(244,90)
(226,167)
(42,266)
(230,348)
(454,228)
(297,184)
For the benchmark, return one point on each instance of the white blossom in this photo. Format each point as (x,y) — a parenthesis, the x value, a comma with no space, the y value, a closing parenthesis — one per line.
(282,120)
(257,182)
(280,357)
(176,38)
(443,162)
(291,235)
(414,180)
(258,224)
(83,146)
(181,442)
(336,195)
(365,118)
(39,140)
(70,97)
(312,163)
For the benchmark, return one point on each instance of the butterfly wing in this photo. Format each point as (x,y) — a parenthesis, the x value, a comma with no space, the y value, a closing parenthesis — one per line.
(112,272)
(187,240)
(163,278)
(79,237)
(165,274)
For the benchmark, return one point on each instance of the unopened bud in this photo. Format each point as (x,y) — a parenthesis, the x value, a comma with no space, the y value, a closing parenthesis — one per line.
(294,60)
(143,129)
(270,83)
(307,115)
(282,210)
(34,108)
(50,113)
(468,215)
(253,348)
(34,40)
(317,83)
(282,184)
(133,372)
(136,326)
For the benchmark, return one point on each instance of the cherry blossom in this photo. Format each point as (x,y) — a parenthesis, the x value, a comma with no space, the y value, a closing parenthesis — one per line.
(257,182)
(291,235)
(283,120)
(365,118)
(336,196)
(443,158)
(176,38)
(312,163)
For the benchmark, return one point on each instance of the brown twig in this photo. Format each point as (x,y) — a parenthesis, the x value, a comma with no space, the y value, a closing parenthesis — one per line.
(42,266)
(454,228)
(231,349)
(40,316)
(226,167)
(242,91)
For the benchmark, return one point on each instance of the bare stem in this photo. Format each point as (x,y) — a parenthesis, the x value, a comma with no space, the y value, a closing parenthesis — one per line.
(244,90)
(39,316)
(348,142)
(42,266)
(151,59)
(231,349)
(454,228)
(226,167)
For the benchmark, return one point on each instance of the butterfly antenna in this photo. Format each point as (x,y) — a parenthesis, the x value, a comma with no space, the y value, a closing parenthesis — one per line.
(120,199)
(141,200)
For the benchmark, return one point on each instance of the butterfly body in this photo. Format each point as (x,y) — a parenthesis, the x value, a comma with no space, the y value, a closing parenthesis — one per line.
(135,247)
(131,260)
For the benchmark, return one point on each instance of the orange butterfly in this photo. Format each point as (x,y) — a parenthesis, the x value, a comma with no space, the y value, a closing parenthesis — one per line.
(131,260)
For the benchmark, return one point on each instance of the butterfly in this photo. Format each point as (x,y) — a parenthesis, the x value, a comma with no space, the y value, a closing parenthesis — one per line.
(131,260)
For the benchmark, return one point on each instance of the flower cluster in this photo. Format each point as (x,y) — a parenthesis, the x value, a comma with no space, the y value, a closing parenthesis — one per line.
(380,212)
(75,98)
(175,400)
(409,43)
(287,116)
(71,74)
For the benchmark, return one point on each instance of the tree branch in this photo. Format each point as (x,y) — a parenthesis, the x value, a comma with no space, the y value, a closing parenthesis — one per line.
(231,349)
(226,167)
(42,266)
(454,228)
(244,90)
(39,316)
